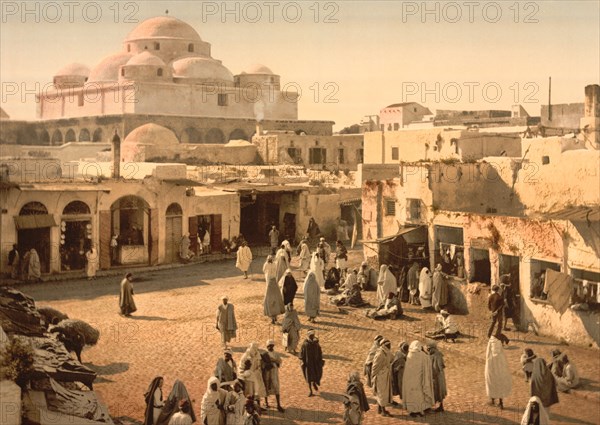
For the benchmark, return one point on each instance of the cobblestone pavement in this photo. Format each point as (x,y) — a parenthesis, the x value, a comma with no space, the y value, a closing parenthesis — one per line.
(173,334)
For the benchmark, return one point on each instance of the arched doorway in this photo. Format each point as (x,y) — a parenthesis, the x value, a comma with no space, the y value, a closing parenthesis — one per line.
(130,222)
(44,138)
(84,135)
(75,235)
(215,135)
(97,135)
(191,135)
(238,134)
(33,232)
(70,136)
(57,138)
(174,222)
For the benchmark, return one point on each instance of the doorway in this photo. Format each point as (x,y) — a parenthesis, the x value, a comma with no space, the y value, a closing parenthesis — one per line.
(173,235)
(481,270)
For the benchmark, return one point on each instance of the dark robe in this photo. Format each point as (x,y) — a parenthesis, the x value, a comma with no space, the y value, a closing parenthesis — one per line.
(289,289)
(412,278)
(178,393)
(542,383)
(224,372)
(126,302)
(439,376)
(398,371)
(149,397)
(357,388)
(403,284)
(312,361)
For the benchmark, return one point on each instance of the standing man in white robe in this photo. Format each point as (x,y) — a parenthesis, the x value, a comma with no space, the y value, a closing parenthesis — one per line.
(213,404)
(425,287)
(92,262)
(234,405)
(254,374)
(382,377)
(281,262)
(244,258)
(317,266)
(386,283)
(269,268)
(304,256)
(498,380)
(226,323)
(271,376)
(417,382)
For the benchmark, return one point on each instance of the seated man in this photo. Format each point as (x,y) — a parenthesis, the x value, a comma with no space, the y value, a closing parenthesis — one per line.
(569,378)
(391,309)
(350,297)
(446,327)
(333,279)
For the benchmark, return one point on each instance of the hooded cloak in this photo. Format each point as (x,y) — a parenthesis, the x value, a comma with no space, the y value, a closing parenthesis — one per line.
(440,290)
(152,410)
(178,393)
(417,382)
(425,287)
(316,266)
(289,287)
(312,295)
(382,375)
(386,283)
(273,301)
(498,381)
(542,383)
(211,413)
(543,415)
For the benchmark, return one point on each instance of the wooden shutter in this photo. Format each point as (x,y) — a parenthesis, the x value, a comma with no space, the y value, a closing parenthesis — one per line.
(216,234)
(153,236)
(105,236)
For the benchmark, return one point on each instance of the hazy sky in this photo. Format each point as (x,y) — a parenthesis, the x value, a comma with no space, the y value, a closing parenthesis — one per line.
(467,54)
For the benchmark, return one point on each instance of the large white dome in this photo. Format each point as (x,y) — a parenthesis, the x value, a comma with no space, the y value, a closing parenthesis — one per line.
(108,69)
(152,134)
(163,27)
(202,69)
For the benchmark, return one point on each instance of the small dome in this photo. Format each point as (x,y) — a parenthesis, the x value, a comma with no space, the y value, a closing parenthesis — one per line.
(108,69)
(258,69)
(152,134)
(163,27)
(73,69)
(201,68)
(146,58)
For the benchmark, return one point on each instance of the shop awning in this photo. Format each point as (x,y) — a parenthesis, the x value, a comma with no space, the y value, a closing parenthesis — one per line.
(351,201)
(34,221)
(412,235)
(580,213)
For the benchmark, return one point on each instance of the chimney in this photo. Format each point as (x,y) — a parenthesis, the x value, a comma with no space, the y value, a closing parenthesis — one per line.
(259,129)
(116,154)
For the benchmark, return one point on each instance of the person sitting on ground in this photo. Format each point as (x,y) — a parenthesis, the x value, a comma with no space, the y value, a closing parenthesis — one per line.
(390,309)
(332,281)
(351,297)
(367,277)
(569,378)
(527,359)
(446,327)
(556,365)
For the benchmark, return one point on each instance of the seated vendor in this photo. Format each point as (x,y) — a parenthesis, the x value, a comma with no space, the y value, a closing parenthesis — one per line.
(391,309)
(446,327)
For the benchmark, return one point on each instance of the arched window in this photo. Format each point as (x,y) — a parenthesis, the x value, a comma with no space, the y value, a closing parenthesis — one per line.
(70,136)
(190,48)
(215,135)
(159,72)
(238,134)
(76,208)
(33,208)
(191,135)
(97,135)
(45,137)
(57,137)
(84,135)
(174,209)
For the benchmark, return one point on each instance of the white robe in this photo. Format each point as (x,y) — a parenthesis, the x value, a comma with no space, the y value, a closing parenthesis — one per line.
(304,256)
(498,381)
(269,270)
(417,381)
(235,403)
(317,266)
(385,284)
(312,295)
(257,385)
(543,415)
(243,258)
(210,414)
(382,376)
(92,262)
(281,263)
(425,285)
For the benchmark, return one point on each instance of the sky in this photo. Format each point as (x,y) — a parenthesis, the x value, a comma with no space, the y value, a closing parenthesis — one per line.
(348,59)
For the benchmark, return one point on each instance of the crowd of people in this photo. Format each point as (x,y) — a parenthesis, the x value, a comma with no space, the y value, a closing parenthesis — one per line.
(412,377)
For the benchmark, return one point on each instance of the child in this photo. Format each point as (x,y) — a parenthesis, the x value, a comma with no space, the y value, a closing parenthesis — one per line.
(527,361)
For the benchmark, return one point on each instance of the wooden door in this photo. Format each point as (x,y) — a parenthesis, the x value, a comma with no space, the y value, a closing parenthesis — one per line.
(172,239)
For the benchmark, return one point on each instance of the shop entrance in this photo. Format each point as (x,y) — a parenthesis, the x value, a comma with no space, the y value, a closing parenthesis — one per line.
(33,231)
(75,235)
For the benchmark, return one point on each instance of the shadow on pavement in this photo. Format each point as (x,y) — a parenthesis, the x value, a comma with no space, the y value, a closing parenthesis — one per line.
(110,369)
(149,318)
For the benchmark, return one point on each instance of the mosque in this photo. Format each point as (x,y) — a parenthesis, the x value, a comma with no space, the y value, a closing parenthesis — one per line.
(164,75)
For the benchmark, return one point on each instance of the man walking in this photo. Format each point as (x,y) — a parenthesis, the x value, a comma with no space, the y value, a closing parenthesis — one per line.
(271,374)
(244,258)
(495,305)
(312,361)
(126,302)
(274,237)
(226,323)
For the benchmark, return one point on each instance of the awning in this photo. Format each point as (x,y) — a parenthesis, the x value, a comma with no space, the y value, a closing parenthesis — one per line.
(351,201)
(575,214)
(34,221)
(559,289)
(412,235)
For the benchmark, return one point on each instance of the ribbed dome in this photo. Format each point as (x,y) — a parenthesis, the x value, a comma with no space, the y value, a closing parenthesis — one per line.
(146,58)
(108,69)
(258,69)
(73,69)
(152,134)
(163,27)
(201,68)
